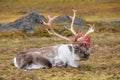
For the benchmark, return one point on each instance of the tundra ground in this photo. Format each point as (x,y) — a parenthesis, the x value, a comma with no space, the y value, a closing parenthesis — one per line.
(104,63)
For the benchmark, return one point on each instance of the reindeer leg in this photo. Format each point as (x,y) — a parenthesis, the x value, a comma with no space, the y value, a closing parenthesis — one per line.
(23,65)
(59,63)
(44,62)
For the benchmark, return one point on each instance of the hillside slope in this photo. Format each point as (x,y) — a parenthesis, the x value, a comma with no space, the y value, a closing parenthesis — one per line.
(91,10)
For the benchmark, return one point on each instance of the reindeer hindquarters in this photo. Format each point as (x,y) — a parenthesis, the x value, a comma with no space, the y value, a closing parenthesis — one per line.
(26,61)
(23,60)
(39,62)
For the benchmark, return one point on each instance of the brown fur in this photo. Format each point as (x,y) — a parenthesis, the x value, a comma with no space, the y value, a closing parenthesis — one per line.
(24,59)
(70,47)
(82,51)
(44,61)
(43,50)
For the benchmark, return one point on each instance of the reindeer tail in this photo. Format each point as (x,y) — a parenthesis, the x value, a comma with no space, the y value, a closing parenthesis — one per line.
(15,62)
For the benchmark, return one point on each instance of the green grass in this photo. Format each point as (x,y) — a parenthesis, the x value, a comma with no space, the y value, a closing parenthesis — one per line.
(104,63)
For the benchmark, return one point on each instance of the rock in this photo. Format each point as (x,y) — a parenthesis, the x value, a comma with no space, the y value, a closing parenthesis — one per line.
(101,23)
(77,21)
(3,27)
(24,23)
(110,26)
(63,19)
(33,19)
(64,26)
(31,31)
(106,24)
(116,23)
(81,27)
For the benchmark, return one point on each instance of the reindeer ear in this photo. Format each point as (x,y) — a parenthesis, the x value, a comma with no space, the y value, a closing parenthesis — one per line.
(75,45)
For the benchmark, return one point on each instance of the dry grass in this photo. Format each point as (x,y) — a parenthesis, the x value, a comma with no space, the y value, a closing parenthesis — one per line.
(104,63)
(91,10)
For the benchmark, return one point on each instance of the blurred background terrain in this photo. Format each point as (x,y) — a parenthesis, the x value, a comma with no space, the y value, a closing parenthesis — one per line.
(20,29)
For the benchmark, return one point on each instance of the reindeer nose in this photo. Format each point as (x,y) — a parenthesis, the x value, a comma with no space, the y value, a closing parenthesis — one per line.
(86,56)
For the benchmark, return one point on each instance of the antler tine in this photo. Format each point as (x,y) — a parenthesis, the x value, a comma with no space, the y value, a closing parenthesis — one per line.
(48,31)
(49,24)
(73,19)
(91,29)
(71,27)
(51,19)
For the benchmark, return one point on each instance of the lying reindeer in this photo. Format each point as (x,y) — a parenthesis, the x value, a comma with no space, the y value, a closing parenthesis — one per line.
(61,55)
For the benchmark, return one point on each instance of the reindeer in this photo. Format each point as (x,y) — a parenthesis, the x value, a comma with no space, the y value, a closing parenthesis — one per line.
(61,55)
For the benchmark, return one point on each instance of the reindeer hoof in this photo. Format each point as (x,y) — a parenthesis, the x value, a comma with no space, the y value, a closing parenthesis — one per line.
(24,69)
(62,66)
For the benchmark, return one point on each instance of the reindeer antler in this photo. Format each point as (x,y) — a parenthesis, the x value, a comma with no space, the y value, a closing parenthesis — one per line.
(49,24)
(91,29)
(79,36)
(73,19)
(72,22)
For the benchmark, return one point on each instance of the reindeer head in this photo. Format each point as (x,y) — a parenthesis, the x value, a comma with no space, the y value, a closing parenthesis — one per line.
(82,45)
(82,49)
(81,42)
